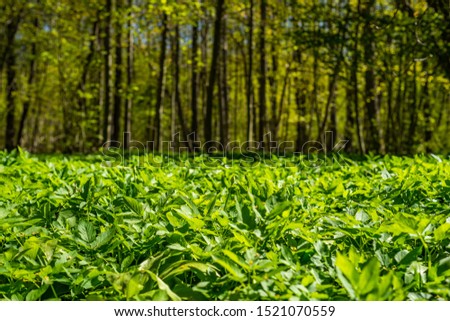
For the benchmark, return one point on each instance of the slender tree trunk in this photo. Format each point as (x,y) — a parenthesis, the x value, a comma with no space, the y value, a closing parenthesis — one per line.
(398,116)
(11,89)
(410,142)
(203,72)
(354,80)
(101,94)
(350,120)
(300,101)
(427,109)
(177,83)
(315,103)
(390,116)
(213,71)
(281,104)
(286,119)
(173,105)
(12,25)
(262,72)
(115,130)
(9,58)
(130,60)
(273,91)
(237,106)
(161,82)
(224,95)
(250,128)
(194,80)
(31,90)
(371,104)
(332,84)
(108,70)
(333,121)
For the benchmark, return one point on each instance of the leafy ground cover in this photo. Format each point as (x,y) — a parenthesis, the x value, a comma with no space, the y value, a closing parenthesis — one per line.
(373,229)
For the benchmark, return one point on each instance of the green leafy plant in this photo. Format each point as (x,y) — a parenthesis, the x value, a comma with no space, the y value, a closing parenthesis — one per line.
(373,229)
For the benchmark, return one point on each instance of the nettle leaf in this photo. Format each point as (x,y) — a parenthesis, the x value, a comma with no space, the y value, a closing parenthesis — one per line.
(236,259)
(49,248)
(103,238)
(278,209)
(410,256)
(442,232)
(136,285)
(348,269)
(34,295)
(164,287)
(31,247)
(235,272)
(183,266)
(134,205)
(126,262)
(444,267)
(85,190)
(86,231)
(194,222)
(368,280)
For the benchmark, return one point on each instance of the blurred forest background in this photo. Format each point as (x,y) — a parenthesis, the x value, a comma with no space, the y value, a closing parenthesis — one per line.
(77,73)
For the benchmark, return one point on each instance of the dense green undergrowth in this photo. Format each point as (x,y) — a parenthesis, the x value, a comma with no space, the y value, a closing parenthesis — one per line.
(72,229)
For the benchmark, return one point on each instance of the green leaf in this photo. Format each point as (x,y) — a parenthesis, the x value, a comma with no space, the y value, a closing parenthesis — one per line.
(31,247)
(230,267)
(34,295)
(181,267)
(411,256)
(368,280)
(442,232)
(86,189)
(348,269)
(194,222)
(134,205)
(103,238)
(164,287)
(236,259)
(86,231)
(135,285)
(444,267)
(278,209)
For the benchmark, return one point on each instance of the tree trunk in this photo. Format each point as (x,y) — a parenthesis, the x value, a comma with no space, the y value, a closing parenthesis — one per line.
(194,80)
(213,71)
(390,115)
(177,83)
(427,110)
(160,86)
(129,102)
(108,69)
(410,142)
(273,92)
(262,72)
(354,81)
(300,101)
(11,89)
(115,130)
(223,83)
(12,25)
(281,104)
(350,120)
(81,87)
(333,121)
(31,90)
(250,128)
(11,86)
(371,104)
